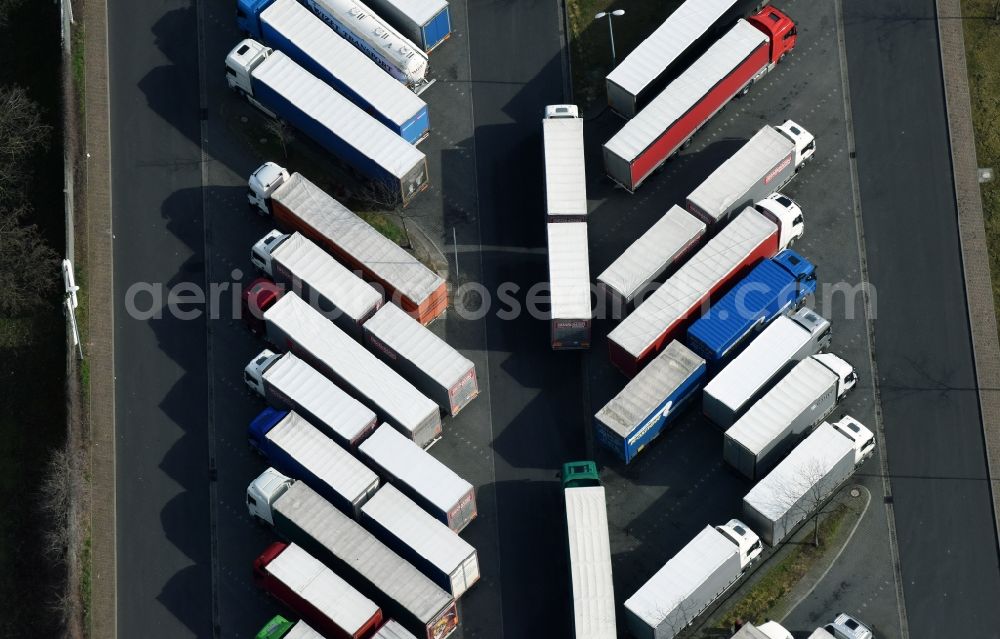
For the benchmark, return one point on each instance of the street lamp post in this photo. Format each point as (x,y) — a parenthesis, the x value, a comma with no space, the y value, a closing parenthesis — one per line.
(609,14)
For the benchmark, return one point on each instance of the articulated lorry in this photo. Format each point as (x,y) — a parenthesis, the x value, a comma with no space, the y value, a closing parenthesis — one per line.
(756,234)
(765,164)
(645,407)
(278,86)
(299,205)
(290,27)
(661,57)
(800,484)
(773,288)
(292,325)
(300,581)
(805,396)
(425,22)
(569,286)
(730,66)
(300,515)
(589,544)
(565,169)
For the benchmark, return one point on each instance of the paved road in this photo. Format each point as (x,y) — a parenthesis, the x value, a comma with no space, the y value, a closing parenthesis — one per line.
(948,545)
(163,531)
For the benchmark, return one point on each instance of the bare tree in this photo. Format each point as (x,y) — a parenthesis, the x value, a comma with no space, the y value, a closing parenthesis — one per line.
(282,131)
(801,495)
(22,133)
(28,266)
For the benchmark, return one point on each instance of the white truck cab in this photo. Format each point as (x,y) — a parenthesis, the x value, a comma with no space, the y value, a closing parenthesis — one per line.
(847,377)
(746,540)
(262,183)
(260,254)
(264,491)
(253,373)
(786,213)
(847,627)
(555,111)
(804,141)
(774,630)
(240,63)
(862,438)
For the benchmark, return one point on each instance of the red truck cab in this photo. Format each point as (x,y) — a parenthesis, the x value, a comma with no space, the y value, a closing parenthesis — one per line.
(259,296)
(780,30)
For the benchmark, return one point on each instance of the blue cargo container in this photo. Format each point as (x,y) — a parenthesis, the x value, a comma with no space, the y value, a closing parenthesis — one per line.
(644,408)
(297,449)
(772,288)
(293,29)
(426,22)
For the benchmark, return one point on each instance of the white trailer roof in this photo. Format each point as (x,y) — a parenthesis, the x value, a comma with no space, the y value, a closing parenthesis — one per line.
(301,631)
(328,277)
(343,60)
(569,270)
(359,549)
(385,258)
(393,630)
(422,532)
(415,467)
(752,368)
(649,388)
(418,344)
(790,480)
(774,411)
(684,92)
(590,563)
(680,576)
(654,54)
(319,102)
(323,457)
(319,396)
(749,165)
(649,255)
(419,11)
(565,174)
(356,366)
(709,265)
(310,579)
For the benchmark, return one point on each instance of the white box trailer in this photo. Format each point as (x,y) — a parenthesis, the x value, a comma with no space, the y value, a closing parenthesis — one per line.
(772,426)
(427,543)
(425,22)
(590,563)
(664,245)
(421,477)
(569,283)
(302,266)
(565,169)
(290,383)
(392,629)
(415,352)
(293,325)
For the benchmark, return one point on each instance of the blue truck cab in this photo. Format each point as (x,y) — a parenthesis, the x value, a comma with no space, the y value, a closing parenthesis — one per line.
(774,287)
(248,16)
(261,425)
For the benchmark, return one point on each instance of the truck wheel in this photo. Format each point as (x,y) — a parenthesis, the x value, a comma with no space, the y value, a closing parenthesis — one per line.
(687,142)
(746,89)
(781,58)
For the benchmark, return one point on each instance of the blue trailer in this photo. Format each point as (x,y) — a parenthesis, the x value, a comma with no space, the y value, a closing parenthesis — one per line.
(772,288)
(296,448)
(277,85)
(644,408)
(425,22)
(293,29)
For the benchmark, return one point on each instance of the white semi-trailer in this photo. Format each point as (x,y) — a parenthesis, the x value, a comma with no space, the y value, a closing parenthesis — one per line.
(565,176)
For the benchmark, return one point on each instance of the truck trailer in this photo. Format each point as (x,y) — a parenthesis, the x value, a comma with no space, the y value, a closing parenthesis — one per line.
(278,86)
(806,395)
(799,485)
(589,545)
(661,57)
(425,22)
(300,581)
(569,286)
(691,580)
(296,448)
(301,265)
(300,515)
(430,363)
(752,373)
(447,559)
(392,629)
(299,205)
(646,406)
(765,164)
(756,234)
(773,288)
(290,27)
(730,66)
(663,246)
(292,325)
(434,486)
(565,169)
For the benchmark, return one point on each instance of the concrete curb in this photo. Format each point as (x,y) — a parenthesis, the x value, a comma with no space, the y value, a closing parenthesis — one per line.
(972,235)
(98,243)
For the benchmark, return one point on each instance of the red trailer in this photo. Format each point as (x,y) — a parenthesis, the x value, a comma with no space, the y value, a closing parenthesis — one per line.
(743,55)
